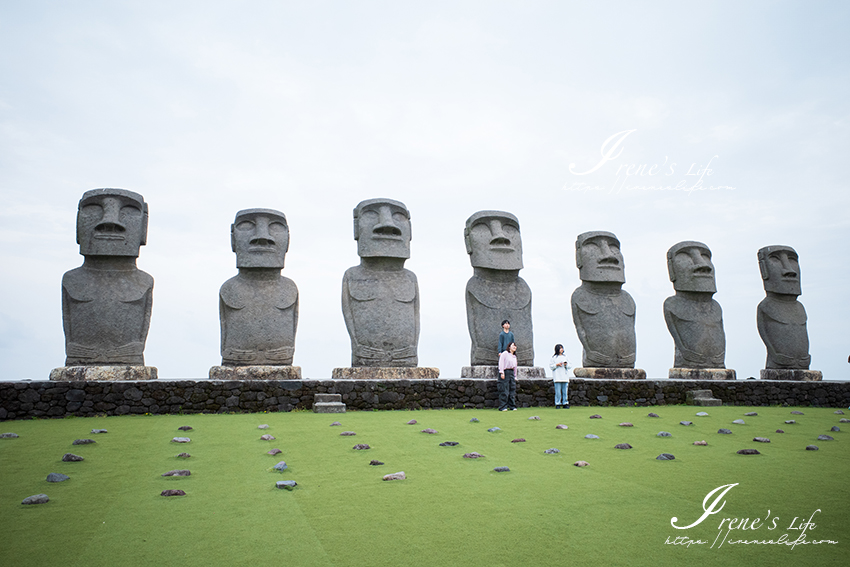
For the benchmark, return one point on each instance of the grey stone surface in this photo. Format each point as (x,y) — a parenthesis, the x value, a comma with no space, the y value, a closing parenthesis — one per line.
(591,436)
(336,424)
(610,373)
(380,298)
(664,434)
(703,398)
(83,441)
(103,373)
(185,428)
(693,317)
(385,373)
(581,464)
(749,452)
(472,455)
(177,472)
(790,421)
(99,431)
(106,302)
(724,431)
(701,374)
(622,446)
(395,476)
(780,431)
(686,423)
(750,414)
(518,440)
(328,407)
(448,444)
(57,477)
(274,452)
(36,499)
(183,455)
(626,424)
(474,420)
(811,447)
(501,469)
(258,307)
(412,422)
(702,414)
(552,451)
(348,433)
(534,418)
(825,438)
(835,428)
(780,318)
(789,374)
(703,442)
(71,458)
(561,426)
(603,313)
(8,435)
(761,439)
(652,414)
(263,426)
(270,372)
(797,412)
(286,484)
(665,457)
(267,437)
(327,398)
(739,422)
(595,416)
(281,466)
(495,291)
(429,431)
(375,463)
(361,447)
(172,492)
(494,429)
(492,372)
(181,440)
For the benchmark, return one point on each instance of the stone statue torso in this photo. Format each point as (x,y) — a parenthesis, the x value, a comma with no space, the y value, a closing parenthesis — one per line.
(488,303)
(605,324)
(106,315)
(259,319)
(382,316)
(782,327)
(697,330)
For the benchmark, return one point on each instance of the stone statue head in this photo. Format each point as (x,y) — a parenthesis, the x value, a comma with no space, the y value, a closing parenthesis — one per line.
(382,229)
(598,257)
(493,240)
(111,222)
(690,268)
(780,269)
(260,238)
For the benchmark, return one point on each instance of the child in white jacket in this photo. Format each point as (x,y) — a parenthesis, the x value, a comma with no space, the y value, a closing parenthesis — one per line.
(560,365)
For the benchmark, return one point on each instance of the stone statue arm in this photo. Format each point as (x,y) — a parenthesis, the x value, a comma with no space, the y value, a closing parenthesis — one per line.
(416,312)
(670,319)
(146,323)
(222,309)
(66,315)
(590,355)
(346,310)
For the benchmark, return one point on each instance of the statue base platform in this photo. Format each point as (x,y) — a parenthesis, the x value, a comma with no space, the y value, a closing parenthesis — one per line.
(492,372)
(255,373)
(701,374)
(386,373)
(611,373)
(102,373)
(799,375)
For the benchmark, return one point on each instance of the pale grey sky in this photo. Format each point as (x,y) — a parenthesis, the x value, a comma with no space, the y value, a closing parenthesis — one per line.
(206,108)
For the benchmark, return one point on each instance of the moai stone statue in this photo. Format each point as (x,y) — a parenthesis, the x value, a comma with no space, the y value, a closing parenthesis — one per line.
(380,298)
(603,313)
(495,293)
(693,317)
(781,319)
(106,302)
(258,308)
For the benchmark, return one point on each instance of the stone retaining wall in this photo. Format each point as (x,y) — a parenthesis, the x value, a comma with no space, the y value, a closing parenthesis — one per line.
(26,399)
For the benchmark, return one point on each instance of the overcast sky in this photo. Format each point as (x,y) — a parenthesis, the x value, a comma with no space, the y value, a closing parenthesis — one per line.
(206,108)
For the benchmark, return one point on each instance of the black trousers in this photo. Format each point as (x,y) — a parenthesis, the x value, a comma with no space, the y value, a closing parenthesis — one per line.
(507,390)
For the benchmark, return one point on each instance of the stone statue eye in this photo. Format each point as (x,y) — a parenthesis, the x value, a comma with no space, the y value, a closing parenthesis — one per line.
(93,210)
(277,226)
(245,225)
(130,210)
(399,217)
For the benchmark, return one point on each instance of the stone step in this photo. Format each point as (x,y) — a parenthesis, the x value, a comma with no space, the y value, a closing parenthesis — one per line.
(327,398)
(328,407)
(708,402)
(702,398)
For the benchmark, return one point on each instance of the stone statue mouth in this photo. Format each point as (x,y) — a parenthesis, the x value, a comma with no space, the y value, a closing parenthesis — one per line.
(790,276)
(262,248)
(108,236)
(609,264)
(499,247)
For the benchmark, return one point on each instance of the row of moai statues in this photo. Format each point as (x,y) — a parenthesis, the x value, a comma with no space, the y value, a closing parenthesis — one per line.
(106,302)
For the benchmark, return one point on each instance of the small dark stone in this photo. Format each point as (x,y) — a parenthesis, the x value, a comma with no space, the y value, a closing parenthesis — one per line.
(650,414)
(181,440)
(596,416)
(57,477)
(267,437)
(811,447)
(748,452)
(494,429)
(429,431)
(703,442)
(622,446)
(263,426)
(71,458)
(839,412)
(185,428)
(844,420)
(750,413)
(761,439)
(724,431)
(561,426)
(739,422)
(83,441)
(99,431)
(472,455)
(184,455)
(172,492)
(334,424)
(361,447)
(274,452)
(534,418)
(502,469)
(37,499)
(286,484)
(473,420)
(825,438)
(664,434)
(702,414)
(281,466)
(448,443)
(795,412)
(8,435)
(551,451)
(518,440)
(373,462)
(627,424)
(780,431)
(347,433)
(665,457)
(790,421)
(179,472)
(686,423)
(835,428)
(411,422)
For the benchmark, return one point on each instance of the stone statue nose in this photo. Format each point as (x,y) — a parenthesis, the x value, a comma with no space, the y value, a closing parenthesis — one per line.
(261,233)
(386,225)
(607,256)
(788,269)
(498,235)
(110,222)
(701,265)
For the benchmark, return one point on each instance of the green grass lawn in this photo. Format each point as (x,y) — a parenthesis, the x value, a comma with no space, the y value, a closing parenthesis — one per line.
(449,511)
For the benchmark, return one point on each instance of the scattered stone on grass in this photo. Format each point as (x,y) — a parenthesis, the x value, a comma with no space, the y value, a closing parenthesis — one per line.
(749,452)
(375,463)
(664,434)
(835,428)
(280,467)
(473,420)
(790,421)
(702,414)
(267,437)
(411,422)
(686,423)
(179,472)
(739,422)
(185,428)
(750,413)
(395,476)
(448,443)
(347,433)
(502,469)
(596,416)
(518,440)
(811,447)
(761,439)
(838,412)
(263,426)
(274,452)
(591,436)
(8,435)
(703,442)
(99,431)
(172,492)
(724,431)
(780,431)
(336,423)
(844,420)
(286,484)
(627,424)
(622,446)
(650,414)
(83,442)
(795,412)
(429,431)
(665,457)
(561,426)
(180,440)
(361,447)
(472,455)
(551,451)
(71,458)
(534,418)
(825,438)
(580,464)
(57,477)
(494,429)
(184,455)
(36,499)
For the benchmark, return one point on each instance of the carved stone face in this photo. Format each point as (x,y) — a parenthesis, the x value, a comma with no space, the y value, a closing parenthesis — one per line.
(382,229)
(690,268)
(260,238)
(493,240)
(111,222)
(598,257)
(780,269)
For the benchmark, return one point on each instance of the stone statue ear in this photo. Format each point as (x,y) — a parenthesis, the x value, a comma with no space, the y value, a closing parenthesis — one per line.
(763,268)
(356,226)
(670,271)
(144,225)
(466,241)
(78,226)
(578,256)
(232,238)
